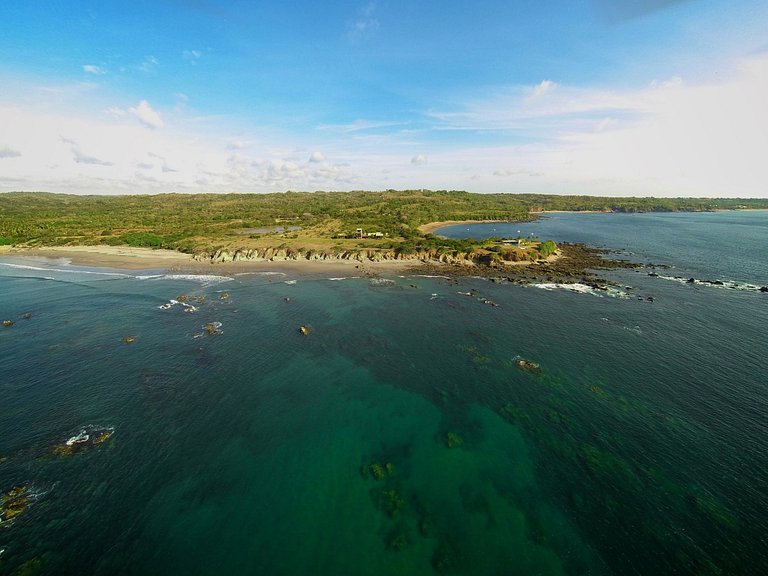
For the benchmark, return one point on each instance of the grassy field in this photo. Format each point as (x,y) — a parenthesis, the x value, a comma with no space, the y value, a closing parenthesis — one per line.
(196,222)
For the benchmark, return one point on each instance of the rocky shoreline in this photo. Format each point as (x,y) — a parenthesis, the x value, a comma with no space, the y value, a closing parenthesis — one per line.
(574,263)
(577,263)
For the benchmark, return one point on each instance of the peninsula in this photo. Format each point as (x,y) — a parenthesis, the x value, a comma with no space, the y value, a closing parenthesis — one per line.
(378,229)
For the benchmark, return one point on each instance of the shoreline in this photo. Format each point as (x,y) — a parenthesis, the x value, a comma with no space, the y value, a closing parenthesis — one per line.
(139,259)
(432,226)
(130,258)
(573,263)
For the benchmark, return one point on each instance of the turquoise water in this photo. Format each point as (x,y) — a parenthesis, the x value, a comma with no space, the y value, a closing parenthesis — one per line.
(398,437)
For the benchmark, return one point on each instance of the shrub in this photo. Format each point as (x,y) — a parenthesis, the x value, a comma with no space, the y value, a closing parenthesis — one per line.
(547,248)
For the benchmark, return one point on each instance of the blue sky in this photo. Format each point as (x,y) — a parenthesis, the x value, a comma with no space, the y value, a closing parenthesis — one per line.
(619,97)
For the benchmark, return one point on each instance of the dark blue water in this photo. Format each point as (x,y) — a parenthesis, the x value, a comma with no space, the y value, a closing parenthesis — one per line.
(727,245)
(399,436)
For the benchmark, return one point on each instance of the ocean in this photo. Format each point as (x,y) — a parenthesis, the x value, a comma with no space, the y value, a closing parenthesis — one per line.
(160,423)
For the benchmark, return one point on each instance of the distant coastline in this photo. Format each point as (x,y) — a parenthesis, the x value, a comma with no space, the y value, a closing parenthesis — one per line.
(432,226)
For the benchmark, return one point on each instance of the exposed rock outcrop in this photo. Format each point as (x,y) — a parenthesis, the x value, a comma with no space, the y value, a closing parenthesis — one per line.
(364,255)
(574,262)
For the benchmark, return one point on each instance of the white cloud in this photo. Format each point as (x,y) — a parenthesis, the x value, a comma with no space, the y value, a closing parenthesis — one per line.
(507,173)
(358,125)
(147,115)
(419,159)
(191,56)
(545,87)
(7,152)
(364,24)
(707,139)
(148,64)
(91,69)
(82,158)
(603,124)
(674,137)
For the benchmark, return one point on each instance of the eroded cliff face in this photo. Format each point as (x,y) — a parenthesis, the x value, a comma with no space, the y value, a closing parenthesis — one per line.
(373,255)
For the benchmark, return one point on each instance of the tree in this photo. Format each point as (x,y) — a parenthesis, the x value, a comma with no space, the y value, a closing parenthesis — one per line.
(547,248)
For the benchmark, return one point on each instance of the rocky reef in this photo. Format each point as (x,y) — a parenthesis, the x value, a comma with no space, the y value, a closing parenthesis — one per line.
(525,365)
(577,263)
(13,503)
(87,438)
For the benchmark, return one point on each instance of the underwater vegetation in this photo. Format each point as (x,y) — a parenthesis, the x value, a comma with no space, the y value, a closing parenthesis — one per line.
(453,440)
(13,503)
(614,478)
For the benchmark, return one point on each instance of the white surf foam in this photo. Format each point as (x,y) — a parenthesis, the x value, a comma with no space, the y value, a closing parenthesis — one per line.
(579,288)
(722,284)
(61,270)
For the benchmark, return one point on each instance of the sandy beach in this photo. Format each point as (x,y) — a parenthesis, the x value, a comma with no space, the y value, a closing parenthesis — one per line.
(432,226)
(129,258)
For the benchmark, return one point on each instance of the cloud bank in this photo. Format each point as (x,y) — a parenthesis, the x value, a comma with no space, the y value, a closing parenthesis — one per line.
(673,137)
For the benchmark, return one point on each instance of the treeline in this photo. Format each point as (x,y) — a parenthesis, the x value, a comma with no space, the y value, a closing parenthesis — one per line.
(539,202)
(190,221)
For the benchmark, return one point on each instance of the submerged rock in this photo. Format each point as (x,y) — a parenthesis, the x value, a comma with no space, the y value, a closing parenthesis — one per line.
(213,328)
(13,503)
(8,322)
(391,502)
(527,365)
(453,440)
(129,339)
(87,438)
(305,329)
(378,471)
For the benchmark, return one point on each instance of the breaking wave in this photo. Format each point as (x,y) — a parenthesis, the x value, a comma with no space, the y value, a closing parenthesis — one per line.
(579,288)
(723,284)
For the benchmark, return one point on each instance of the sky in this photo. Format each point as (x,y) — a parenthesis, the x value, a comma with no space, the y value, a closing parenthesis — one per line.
(599,97)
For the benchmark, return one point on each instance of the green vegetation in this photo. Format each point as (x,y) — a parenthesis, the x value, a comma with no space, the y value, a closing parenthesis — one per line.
(547,248)
(194,222)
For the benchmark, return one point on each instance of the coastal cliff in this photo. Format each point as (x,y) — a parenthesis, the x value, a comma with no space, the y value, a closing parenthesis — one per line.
(280,254)
(571,262)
